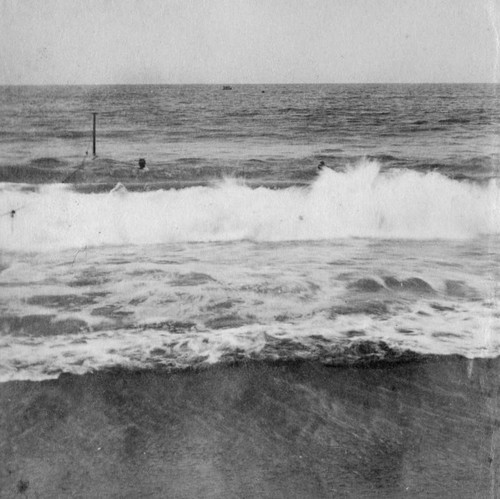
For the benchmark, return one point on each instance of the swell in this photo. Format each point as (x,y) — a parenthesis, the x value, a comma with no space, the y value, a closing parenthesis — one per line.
(258,166)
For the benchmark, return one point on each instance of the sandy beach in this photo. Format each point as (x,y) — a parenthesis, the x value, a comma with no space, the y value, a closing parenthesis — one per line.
(421,429)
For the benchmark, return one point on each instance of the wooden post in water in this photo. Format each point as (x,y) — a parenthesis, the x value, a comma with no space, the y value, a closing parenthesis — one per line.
(93,135)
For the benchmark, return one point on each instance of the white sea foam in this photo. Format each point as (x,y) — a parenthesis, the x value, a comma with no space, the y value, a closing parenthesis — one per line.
(38,358)
(181,305)
(360,202)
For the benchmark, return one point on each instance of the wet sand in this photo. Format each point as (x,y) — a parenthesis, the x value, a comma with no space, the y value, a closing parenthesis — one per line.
(425,428)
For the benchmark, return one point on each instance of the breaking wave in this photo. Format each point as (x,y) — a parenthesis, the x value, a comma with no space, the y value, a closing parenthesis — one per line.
(360,202)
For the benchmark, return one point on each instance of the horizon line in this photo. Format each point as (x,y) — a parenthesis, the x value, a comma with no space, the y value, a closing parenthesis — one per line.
(242,84)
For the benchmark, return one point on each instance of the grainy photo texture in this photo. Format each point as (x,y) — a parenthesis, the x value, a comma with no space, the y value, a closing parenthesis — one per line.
(249,249)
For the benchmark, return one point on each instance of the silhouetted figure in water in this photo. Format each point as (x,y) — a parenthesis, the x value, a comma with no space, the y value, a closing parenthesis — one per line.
(321,165)
(142,164)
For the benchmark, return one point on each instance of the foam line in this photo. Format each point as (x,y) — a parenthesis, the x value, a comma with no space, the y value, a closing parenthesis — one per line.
(360,202)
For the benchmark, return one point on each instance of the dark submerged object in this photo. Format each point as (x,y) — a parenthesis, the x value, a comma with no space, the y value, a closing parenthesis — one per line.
(142,164)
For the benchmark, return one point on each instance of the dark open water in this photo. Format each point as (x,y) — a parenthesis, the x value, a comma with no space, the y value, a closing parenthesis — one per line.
(234,322)
(259,132)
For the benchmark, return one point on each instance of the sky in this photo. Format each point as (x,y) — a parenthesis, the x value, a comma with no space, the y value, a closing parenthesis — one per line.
(248,41)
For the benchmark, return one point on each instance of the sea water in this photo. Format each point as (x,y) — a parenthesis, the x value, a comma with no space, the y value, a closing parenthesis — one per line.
(233,321)
(233,245)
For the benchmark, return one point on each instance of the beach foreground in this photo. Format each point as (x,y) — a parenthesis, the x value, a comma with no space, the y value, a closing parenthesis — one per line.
(425,428)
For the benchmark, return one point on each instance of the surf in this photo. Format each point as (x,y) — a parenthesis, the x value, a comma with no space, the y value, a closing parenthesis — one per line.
(360,202)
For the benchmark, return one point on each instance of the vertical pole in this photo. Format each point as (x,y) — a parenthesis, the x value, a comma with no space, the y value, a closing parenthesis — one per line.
(93,135)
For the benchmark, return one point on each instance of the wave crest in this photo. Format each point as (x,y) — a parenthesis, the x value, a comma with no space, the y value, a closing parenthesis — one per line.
(360,202)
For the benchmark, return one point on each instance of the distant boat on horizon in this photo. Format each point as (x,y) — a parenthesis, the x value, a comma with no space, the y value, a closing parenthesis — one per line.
(227,87)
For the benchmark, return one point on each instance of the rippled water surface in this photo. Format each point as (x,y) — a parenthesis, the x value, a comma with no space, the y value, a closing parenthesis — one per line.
(233,321)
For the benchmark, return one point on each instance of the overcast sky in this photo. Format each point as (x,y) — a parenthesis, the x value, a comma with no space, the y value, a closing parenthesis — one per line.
(248,41)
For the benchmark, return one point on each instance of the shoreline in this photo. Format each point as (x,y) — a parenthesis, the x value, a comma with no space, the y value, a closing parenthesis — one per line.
(256,429)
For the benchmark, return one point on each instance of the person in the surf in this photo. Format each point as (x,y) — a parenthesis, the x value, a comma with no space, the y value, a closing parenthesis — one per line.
(321,165)
(142,164)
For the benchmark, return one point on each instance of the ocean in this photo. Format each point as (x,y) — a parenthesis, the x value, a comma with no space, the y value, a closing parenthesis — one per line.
(232,320)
